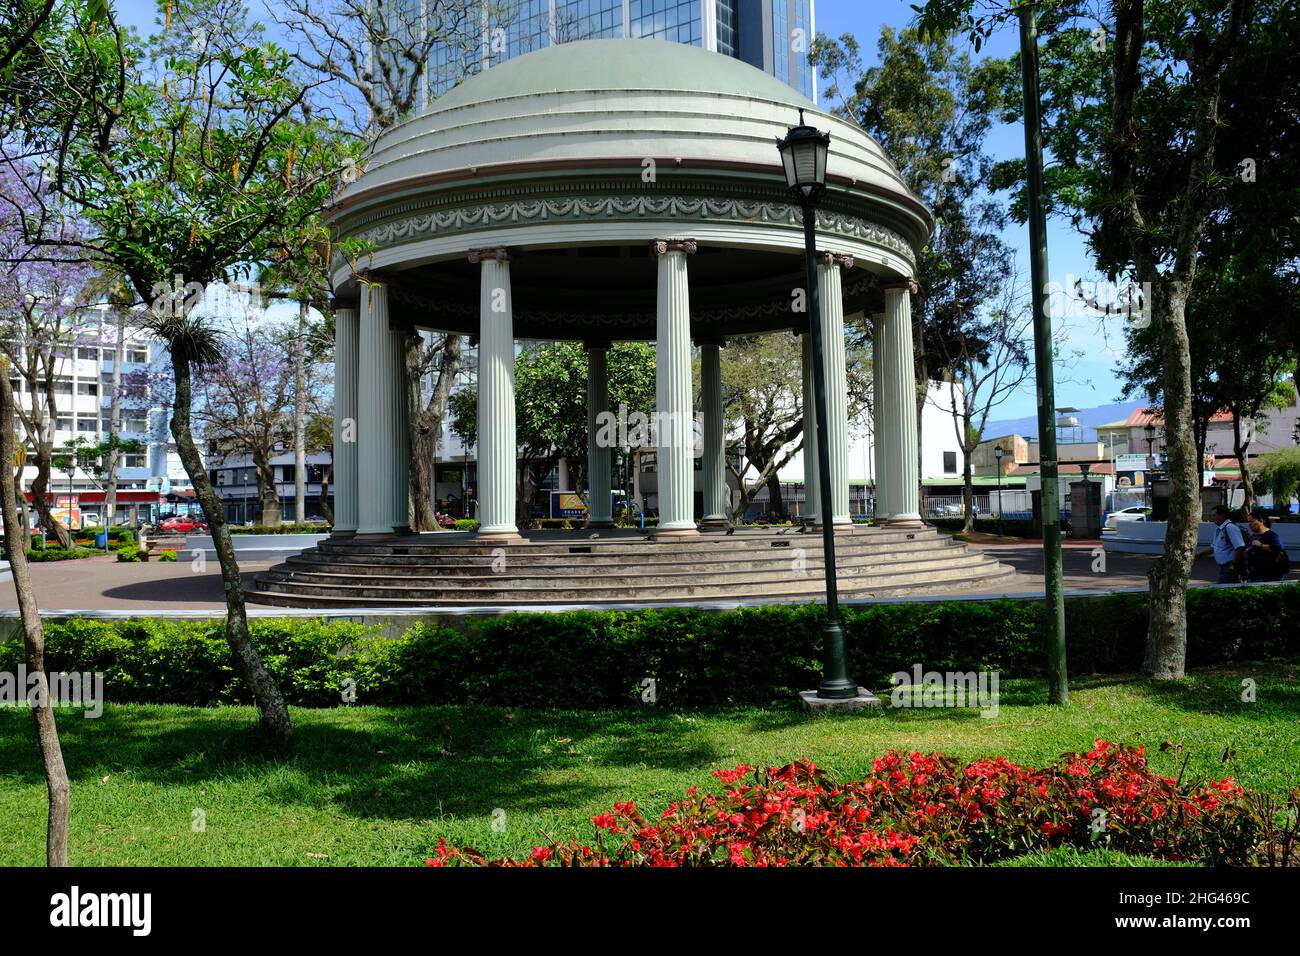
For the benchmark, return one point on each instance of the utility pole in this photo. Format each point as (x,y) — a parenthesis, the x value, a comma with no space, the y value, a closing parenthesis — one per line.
(1058,686)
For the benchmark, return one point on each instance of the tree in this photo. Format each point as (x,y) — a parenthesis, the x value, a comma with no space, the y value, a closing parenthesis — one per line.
(987,368)
(1279,474)
(42,296)
(931,109)
(551,408)
(1134,129)
(47,732)
(437,355)
(176,155)
(763,405)
(374,57)
(250,403)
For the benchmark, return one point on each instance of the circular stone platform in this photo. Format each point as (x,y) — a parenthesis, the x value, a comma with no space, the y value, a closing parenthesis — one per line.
(451,568)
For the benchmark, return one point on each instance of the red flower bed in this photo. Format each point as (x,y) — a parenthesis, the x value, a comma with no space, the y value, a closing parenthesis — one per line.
(916,809)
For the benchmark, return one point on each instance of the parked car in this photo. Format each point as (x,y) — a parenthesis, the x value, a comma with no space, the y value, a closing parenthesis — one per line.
(1125,514)
(183,524)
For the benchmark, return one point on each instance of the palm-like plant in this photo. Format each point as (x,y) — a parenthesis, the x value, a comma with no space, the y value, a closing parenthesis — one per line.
(193,342)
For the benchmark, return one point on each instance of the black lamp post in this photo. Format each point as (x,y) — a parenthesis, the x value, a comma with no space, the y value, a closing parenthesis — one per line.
(997,455)
(803,156)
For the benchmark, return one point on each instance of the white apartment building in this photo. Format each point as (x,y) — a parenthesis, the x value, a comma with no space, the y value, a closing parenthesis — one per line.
(83,397)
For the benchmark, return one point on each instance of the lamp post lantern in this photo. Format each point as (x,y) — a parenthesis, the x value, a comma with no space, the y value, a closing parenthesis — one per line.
(803,157)
(997,455)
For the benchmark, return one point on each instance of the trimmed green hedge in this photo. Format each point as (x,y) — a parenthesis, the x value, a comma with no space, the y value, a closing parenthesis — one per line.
(55,553)
(696,658)
(1011,527)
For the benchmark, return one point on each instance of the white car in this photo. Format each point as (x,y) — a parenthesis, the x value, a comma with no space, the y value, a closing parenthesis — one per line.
(1126,514)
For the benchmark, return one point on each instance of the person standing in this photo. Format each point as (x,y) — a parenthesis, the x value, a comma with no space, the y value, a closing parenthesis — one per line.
(1228,547)
(1265,555)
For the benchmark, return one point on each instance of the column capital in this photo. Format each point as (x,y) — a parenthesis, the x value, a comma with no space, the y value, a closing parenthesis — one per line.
(337,305)
(659,247)
(908,284)
(489,254)
(367,277)
(594,345)
(706,339)
(828,258)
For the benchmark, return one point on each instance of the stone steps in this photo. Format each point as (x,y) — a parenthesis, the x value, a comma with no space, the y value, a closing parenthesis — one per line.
(538,578)
(457,565)
(747,566)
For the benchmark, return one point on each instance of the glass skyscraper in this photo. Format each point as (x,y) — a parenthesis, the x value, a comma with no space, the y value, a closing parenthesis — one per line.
(773,35)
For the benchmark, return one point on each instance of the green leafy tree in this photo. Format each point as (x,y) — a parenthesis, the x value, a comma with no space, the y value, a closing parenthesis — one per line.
(180,158)
(1135,131)
(932,109)
(551,407)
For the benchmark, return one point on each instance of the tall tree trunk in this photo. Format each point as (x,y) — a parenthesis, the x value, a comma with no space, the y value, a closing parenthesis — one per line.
(41,501)
(775,500)
(24,515)
(265,690)
(300,418)
(326,473)
(115,421)
(1166,650)
(47,732)
(267,494)
(1239,449)
(426,424)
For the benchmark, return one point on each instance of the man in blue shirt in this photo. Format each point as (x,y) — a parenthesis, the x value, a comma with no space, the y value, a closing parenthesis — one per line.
(1229,546)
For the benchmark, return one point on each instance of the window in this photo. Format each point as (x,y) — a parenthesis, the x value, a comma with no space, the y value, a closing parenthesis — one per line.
(137,355)
(87,425)
(87,388)
(63,386)
(90,354)
(63,424)
(133,461)
(950,463)
(135,423)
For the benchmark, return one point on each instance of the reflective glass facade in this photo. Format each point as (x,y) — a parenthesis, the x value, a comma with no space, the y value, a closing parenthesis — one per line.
(773,35)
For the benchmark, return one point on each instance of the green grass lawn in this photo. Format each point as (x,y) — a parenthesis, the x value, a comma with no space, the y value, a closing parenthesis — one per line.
(380,785)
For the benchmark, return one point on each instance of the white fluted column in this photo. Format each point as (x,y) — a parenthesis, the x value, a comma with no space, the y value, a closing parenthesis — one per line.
(497,453)
(400,499)
(674,431)
(346,343)
(879,421)
(714,464)
(830,298)
(599,450)
(811,459)
(378,415)
(896,386)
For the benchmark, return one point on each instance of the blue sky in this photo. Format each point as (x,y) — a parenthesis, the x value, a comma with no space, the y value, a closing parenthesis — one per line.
(1082,381)
(1090,347)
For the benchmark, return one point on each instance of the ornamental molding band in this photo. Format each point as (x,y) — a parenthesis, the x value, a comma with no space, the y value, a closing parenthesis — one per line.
(828,258)
(489,254)
(909,284)
(685,208)
(660,247)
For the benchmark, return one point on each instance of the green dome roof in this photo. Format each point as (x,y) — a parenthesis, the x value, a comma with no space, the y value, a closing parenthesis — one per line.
(620,64)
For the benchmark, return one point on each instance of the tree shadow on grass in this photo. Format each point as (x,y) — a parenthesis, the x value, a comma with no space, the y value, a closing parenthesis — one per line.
(395,764)
(1218,690)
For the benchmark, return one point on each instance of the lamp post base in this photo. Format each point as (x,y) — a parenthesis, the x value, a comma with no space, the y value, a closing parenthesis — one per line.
(819,705)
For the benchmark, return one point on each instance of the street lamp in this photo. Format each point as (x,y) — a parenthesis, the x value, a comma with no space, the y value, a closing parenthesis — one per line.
(997,455)
(803,157)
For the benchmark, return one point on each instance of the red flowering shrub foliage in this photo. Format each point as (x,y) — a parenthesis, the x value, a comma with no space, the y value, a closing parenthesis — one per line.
(917,809)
